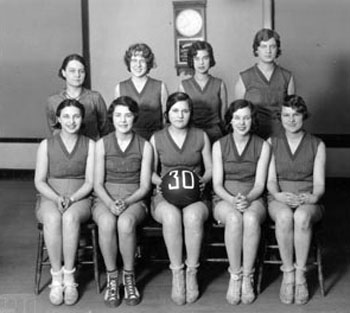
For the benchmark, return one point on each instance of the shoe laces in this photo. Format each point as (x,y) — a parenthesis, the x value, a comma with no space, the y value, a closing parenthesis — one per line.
(112,286)
(130,286)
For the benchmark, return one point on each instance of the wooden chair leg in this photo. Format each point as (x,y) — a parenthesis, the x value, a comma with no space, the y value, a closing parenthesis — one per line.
(39,260)
(260,261)
(95,259)
(320,266)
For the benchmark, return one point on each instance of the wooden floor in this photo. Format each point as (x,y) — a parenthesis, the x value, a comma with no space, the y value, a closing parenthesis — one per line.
(18,250)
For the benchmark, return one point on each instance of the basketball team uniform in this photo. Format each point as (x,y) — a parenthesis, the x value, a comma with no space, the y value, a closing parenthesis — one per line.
(96,123)
(267,95)
(122,168)
(170,156)
(66,170)
(295,171)
(206,105)
(239,169)
(150,106)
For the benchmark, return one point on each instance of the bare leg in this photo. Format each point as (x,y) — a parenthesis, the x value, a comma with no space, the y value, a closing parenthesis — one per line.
(284,221)
(232,219)
(252,220)
(52,220)
(171,219)
(304,218)
(194,217)
(282,215)
(127,224)
(77,214)
(107,230)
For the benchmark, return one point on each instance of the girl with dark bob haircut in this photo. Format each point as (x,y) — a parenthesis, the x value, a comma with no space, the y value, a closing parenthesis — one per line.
(124,101)
(264,35)
(180,145)
(149,93)
(69,103)
(193,50)
(296,185)
(235,106)
(240,163)
(207,92)
(298,104)
(74,71)
(122,181)
(175,97)
(267,83)
(64,179)
(72,57)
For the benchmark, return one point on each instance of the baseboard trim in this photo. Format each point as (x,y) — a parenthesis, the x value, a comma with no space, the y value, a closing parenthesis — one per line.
(17,174)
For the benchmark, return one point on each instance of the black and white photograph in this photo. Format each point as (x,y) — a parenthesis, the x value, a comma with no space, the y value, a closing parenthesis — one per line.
(174,156)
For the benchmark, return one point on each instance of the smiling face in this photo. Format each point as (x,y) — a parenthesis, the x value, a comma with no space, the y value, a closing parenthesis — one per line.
(123,119)
(201,62)
(138,65)
(267,51)
(242,121)
(179,114)
(70,119)
(292,121)
(74,73)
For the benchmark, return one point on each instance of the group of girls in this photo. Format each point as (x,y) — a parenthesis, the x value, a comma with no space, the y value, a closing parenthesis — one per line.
(258,143)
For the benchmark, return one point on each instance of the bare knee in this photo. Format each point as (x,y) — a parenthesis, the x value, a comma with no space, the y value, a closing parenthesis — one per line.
(284,220)
(52,220)
(194,219)
(251,221)
(70,219)
(107,224)
(126,224)
(170,217)
(233,221)
(302,220)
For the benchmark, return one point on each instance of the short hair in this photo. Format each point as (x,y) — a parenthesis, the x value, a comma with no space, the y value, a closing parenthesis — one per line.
(193,50)
(235,106)
(142,49)
(264,35)
(296,103)
(174,98)
(68,103)
(67,59)
(124,101)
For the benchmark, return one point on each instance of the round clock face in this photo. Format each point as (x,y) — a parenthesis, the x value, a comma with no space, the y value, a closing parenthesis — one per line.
(189,22)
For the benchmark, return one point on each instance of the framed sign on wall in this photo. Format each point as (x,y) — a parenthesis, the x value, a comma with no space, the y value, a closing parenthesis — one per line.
(189,26)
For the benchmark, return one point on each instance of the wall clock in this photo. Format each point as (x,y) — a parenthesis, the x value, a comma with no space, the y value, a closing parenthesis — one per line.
(189,26)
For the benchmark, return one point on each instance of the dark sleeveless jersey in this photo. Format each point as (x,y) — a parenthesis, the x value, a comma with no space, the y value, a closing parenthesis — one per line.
(63,164)
(206,102)
(150,105)
(240,167)
(267,95)
(123,167)
(171,156)
(298,166)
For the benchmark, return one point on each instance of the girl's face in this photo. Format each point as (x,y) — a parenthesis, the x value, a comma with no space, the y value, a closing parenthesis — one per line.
(267,50)
(179,114)
(201,62)
(138,65)
(74,73)
(242,121)
(70,119)
(123,119)
(292,121)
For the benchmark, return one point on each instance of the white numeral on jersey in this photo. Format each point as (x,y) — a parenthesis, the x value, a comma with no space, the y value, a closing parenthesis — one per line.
(187,181)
